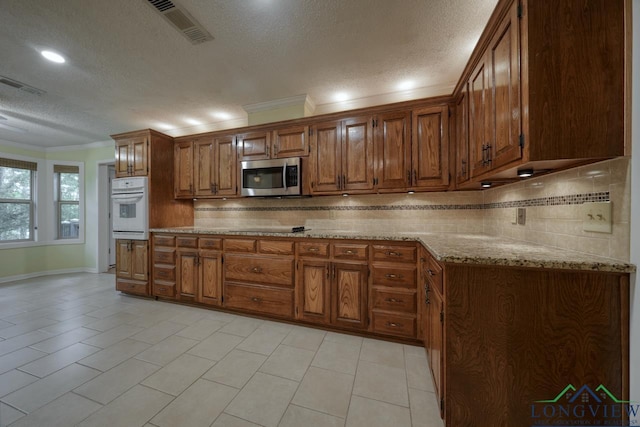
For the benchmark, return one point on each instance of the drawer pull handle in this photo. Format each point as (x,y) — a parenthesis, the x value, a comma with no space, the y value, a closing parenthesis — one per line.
(314,249)
(256,270)
(393,276)
(394,325)
(256,299)
(349,252)
(431,273)
(391,253)
(393,300)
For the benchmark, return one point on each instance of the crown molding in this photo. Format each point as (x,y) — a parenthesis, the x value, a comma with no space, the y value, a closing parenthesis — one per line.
(302,100)
(207,127)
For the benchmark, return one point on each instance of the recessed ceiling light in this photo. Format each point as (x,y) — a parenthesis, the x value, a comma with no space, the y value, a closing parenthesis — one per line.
(341,96)
(406,85)
(193,122)
(221,115)
(53,56)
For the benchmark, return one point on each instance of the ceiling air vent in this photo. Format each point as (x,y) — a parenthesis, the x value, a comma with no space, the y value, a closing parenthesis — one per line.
(18,85)
(181,20)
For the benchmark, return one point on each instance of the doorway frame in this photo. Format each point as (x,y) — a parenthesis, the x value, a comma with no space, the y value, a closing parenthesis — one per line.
(104,200)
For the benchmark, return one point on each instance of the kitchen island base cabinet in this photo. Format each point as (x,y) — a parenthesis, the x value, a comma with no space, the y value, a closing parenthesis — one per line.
(132,266)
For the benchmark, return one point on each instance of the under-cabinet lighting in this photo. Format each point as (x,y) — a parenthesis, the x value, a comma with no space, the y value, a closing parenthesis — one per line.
(345,194)
(410,192)
(525,173)
(485,184)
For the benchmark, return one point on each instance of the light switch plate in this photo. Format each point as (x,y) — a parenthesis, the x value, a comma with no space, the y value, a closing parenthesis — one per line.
(596,217)
(522,216)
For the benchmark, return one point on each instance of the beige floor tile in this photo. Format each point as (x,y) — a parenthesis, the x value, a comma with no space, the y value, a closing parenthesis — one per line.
(58,360)
(111,384)
(157,333)
(188,409)
(112,336)
(133,408)
(418,374)
(365,412)
(188,316)
(236,368)
(241,326)
(271,326)
(32,315)
(305,338)
(337,356)
(343,338)
(179,374)
(69,325)
(297,416)
(16,343)
(167,350)
(9,415)
(226,420)
(14,380)
(263,400)
(110,322)
(216,346)
(66,410)
(23,328)
(382,353)
(201,329)
(424,409)
(288,362)
(114,355)
(18,358)
(262,341)
(65,339)
(325,391)
(45,390)
(4,324)
(381,382)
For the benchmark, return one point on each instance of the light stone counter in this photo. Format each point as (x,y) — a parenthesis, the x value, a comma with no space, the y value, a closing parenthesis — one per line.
(452,248)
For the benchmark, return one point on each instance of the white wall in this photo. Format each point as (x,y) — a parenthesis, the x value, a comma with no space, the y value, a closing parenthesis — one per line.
(635,207)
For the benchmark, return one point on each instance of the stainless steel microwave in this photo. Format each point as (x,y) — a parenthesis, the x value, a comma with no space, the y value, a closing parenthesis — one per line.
(276,177)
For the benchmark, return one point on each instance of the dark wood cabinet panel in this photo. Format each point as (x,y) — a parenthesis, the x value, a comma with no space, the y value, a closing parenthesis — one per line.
(434,349)
(393,253)
(254,145)
(394,324)
(430,145)
(290,142)
(184,169)
(462,137)
(260,299)
(349,301)
(399,275)
(132,156)
(210,278)
(203,167)
(326,157)
(393,300)
(225,166)
(357,154)
(392,134)
(314,291)
(132,266)
(259,269)
(480,132)
(187,283)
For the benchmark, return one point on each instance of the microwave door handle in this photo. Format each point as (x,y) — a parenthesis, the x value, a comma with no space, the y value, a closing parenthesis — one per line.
(284,176)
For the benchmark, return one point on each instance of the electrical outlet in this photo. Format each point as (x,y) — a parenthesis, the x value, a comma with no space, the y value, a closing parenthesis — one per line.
(596,217)
(522,216)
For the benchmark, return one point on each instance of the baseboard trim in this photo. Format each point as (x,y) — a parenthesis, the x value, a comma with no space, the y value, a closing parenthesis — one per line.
(46,273)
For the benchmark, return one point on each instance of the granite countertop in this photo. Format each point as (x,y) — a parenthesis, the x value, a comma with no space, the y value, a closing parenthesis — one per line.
(452,248)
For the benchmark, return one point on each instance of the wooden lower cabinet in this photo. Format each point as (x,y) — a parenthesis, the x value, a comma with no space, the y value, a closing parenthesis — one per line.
(349,295)
(314,291)
(261,299)
(199,276)
(132,266)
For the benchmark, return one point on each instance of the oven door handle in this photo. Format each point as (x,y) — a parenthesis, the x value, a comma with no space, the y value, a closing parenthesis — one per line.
(126,200)
(284,176)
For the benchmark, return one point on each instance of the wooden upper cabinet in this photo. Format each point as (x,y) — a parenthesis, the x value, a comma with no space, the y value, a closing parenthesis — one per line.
(290,142)
(225,177)
(326,157)
(254,145)
(430,148)
(183,169)
(392,134)
(504,78)
(132,156)
(462,138)
(357,154)
(480,132)
(203,167)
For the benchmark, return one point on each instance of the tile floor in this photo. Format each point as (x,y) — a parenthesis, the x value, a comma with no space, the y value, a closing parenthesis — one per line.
(73,351)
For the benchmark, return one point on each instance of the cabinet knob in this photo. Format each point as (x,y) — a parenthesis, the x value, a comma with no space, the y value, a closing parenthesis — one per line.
(394,325)
(313,249)
(393,276)
(392,253)
(393,300)
(431,273)
(256,270)
(349,252)
(256,299)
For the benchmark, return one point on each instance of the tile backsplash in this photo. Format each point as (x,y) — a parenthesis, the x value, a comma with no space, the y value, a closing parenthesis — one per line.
(552,204)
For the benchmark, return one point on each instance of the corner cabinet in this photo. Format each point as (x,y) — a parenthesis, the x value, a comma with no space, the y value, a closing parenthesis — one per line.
(132,266)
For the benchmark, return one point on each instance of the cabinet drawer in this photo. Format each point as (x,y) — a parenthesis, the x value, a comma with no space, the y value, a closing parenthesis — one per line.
(394,301)
(187,242)
(164,290)
(274,301)
(275,247)
(240,245)
(401,276)
(350,251)
(311,249)
(394,253)
(210,243)
(256,269)
(394,324)
(167,273)
(161,240)
(433,273)
(164,256)
(131,287)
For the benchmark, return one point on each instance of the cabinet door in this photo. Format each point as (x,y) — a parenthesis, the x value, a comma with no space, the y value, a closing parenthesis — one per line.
(430,146)
(123,259)
(462,138)
(187,283)
(434,349)
(357,154)
(393,150)
(290,142)
(504,51)
(203,167)
(326,157)
(210,278)
(349,295)
(225,178)
(138,155)
(254,145)
(183,169)
(479,124)
(122,158)
(314,291)
(140,260)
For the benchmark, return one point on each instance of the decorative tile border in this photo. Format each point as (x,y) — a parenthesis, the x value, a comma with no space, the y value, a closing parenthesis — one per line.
(573,199)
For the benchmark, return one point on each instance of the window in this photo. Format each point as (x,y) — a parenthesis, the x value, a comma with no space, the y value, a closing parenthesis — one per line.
(66,181)
(17,189)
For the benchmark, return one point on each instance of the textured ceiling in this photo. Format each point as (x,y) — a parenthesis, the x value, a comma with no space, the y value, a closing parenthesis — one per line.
(128,69)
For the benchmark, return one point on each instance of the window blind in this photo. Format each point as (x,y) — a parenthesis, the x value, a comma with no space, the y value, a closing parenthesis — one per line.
(18,164)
